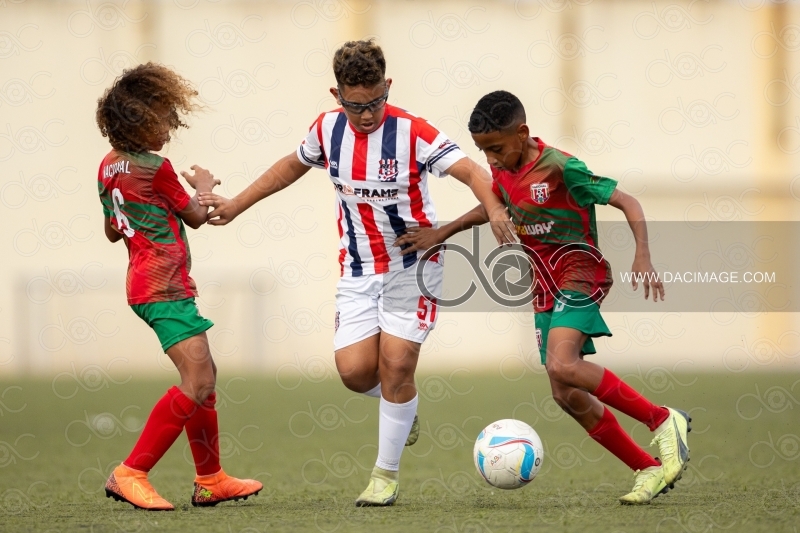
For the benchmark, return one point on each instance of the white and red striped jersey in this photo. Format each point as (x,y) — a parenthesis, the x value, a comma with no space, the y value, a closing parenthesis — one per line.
(381,183)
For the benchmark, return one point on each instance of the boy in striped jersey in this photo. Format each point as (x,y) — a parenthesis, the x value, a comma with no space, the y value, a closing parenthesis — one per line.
(378,158)
(551,197)
(145,206)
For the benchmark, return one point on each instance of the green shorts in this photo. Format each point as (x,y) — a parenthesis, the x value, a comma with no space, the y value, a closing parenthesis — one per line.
(173,321)
(586,319)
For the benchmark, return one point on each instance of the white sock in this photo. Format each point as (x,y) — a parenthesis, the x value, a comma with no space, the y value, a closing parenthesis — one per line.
(376,392)
(393,429)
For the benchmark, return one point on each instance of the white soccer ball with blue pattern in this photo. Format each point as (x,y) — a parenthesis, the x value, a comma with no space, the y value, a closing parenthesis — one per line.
(508,454)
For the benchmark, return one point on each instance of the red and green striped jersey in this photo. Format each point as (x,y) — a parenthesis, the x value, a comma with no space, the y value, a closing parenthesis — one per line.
(141,195)
(551,201)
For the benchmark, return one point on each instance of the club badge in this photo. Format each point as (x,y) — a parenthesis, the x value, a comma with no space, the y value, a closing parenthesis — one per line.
(540,193)
(387,170)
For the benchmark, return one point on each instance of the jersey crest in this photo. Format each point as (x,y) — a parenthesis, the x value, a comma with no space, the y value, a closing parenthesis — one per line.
(387,170)
(540,193)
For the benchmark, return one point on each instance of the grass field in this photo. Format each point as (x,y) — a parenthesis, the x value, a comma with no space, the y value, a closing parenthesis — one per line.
(313,445)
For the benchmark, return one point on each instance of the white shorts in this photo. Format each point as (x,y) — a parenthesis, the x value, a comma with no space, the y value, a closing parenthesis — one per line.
(392,302)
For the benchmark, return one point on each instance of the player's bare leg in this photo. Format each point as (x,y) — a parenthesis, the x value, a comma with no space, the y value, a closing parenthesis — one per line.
(570,377)
(579,404)
(192,357)
(358,367)
(564,362)
(670,426)
(397,363)
(128,482)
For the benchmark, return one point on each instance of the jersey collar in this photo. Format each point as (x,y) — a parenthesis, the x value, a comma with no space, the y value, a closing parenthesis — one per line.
(527,168)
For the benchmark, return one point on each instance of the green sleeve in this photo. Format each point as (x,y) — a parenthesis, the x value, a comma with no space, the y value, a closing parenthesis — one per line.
(108,208)
(105,200)
(585,187)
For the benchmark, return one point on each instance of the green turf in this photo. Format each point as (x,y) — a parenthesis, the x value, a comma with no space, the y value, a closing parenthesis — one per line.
(313,447)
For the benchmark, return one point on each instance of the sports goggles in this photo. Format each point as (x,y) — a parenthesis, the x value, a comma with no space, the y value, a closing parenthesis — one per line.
(358,108)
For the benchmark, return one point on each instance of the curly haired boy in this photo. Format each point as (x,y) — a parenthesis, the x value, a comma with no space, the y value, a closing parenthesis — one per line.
(145,206)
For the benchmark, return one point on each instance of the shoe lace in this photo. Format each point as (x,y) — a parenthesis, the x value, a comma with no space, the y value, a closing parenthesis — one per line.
(639,479)
(666,443)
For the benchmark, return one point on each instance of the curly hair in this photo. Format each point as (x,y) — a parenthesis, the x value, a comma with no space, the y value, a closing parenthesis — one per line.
(130,110)
(497,111)
(359,63)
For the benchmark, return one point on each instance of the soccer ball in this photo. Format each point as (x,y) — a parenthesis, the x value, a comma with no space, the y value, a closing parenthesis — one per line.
(508,454)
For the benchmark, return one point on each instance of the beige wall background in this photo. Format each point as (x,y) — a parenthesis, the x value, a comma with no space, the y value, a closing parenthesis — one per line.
(694,106)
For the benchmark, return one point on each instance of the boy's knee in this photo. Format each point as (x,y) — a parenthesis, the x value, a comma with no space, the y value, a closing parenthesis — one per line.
(564,374)
(202,386)
(400,369)
(398,365)
(359,379)
(354,383)
(203,395)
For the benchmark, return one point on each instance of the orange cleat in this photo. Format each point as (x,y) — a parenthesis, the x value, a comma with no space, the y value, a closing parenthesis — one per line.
(129,485)
(220,487)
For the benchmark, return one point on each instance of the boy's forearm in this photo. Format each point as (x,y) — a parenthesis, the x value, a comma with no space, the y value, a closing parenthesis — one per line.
(194,214)
(488,199)
(111,233)
(253,194)
(479,181)
(277,177)
(634,214)
(194,204)
(474,217)
(642,246)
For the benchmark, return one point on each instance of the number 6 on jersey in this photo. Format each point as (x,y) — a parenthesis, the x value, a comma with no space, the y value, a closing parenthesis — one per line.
(122,221)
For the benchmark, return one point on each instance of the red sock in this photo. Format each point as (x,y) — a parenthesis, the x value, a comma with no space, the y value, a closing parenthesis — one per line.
(165,423)
(203,433)
(619,395)
(613,438)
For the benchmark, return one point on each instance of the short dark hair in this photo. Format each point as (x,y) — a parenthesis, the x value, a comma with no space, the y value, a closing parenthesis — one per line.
(139,99)
(497,111)
(359,63)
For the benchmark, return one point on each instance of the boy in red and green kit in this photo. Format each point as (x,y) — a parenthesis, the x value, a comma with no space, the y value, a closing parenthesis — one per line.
(146,207)
(551,196)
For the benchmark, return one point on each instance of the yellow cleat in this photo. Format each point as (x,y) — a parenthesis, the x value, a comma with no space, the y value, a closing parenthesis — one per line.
(648,484)
(413,435)
(220,487)
(673,445)
(131,486)
(382,489)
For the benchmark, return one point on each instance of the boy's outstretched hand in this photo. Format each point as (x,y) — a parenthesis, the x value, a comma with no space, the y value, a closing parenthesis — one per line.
(194,215)
(643,270)
(202,180)
(420,240)
(503,228)
(225,209)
